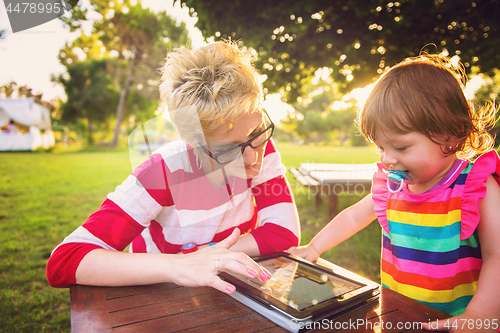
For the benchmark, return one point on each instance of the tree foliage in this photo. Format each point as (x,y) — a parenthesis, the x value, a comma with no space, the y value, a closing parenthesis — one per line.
(136,39)
(91,95)
(488,96)
(12,89)
(321,116)
(358,39)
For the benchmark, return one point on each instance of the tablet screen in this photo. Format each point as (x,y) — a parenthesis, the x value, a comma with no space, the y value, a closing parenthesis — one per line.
(298,285)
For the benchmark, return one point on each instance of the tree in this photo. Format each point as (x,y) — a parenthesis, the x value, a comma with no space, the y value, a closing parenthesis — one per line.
(321,116)
(137,38)
(8,88)
(358,39)
(89,87)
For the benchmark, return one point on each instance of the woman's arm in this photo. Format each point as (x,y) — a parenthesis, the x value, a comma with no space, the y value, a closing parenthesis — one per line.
(344,225)
(246,244)
(278,224)
(102,267)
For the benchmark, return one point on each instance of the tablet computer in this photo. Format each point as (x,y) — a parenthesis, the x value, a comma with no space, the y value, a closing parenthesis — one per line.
(302,290)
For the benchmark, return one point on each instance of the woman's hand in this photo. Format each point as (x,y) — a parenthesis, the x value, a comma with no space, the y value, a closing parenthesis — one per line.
(464,323)
(307,252)
(200,268)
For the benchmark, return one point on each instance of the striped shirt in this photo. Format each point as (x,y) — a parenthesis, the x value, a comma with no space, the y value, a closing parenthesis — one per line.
(430,246)
(167,202)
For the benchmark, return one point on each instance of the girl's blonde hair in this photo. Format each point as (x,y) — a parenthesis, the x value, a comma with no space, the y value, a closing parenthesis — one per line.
(209,86)
(425,94)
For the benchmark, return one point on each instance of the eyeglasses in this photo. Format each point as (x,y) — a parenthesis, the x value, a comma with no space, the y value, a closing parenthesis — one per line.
(230,154)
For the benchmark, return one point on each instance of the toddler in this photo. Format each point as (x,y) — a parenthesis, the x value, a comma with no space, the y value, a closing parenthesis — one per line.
(437,202)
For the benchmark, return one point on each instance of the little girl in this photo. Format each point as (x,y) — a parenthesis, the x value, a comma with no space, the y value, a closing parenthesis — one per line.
(439,211)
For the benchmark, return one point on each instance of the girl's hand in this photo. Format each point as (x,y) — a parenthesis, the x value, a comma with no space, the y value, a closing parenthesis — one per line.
(200,268)
(307,252)
(464,323)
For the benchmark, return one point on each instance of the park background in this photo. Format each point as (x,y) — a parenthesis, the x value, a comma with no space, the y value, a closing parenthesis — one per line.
(318,61)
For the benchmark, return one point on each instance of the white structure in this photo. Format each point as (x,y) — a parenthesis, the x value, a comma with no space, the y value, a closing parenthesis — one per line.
(26,112)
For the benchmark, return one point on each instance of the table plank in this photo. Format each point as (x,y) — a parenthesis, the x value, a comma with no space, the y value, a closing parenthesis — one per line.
(112,292)
(160,296)
(88,310)
(247,323)
(213,314)
(169,307)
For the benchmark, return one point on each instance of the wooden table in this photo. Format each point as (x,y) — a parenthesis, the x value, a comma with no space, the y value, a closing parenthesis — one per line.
(332,180)
(167,307)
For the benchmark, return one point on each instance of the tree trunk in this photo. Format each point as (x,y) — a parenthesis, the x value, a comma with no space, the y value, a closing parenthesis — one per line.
(90,138)
(123,100)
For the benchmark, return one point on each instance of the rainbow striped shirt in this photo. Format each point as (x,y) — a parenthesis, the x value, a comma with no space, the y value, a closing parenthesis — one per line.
(430,247)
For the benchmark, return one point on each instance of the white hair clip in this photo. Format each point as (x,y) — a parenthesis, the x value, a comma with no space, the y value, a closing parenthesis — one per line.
(396,180)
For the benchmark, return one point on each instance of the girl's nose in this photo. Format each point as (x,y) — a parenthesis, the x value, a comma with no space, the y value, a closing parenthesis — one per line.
(387,160)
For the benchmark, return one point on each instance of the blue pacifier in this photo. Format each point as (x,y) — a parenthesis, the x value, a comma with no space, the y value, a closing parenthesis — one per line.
(396,179)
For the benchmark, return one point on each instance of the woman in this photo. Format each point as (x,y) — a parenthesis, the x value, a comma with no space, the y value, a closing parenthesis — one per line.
(224,178)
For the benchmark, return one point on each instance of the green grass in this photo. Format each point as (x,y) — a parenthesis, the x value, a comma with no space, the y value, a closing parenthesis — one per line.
(45,196)
(360,253)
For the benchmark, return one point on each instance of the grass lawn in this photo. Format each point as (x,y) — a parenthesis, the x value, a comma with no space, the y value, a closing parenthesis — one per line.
(360,253)
(45,196)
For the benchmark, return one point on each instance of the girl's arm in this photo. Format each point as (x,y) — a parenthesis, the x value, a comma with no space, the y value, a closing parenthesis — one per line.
(484,308)
(344,225)
(102,267)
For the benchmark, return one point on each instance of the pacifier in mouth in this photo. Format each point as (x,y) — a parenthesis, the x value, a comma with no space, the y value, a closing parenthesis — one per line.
(396,179)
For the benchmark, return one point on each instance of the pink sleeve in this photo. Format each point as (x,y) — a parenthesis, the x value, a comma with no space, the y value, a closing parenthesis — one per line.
(475,190)
(379,194)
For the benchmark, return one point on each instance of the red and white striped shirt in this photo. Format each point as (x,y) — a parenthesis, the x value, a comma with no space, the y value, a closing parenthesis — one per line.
(167,202)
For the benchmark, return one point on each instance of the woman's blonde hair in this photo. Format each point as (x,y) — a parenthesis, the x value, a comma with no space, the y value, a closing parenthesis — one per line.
(425,94)
(209,86)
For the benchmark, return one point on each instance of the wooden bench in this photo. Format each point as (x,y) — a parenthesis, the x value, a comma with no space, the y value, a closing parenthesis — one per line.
(308,182)
(332,180)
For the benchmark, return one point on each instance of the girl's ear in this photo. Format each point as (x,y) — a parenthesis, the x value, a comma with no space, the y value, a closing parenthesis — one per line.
(453,141)
(449,146)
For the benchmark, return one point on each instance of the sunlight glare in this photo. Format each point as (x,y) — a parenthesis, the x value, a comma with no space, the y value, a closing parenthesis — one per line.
(472,86)
(360,95)
(276,108)
(455,60)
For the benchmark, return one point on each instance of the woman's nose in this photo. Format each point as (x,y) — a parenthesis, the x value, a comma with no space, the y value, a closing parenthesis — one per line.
(250,155)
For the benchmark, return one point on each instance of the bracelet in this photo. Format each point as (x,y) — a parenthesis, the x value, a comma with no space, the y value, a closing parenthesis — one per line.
(192,247)
(189,248)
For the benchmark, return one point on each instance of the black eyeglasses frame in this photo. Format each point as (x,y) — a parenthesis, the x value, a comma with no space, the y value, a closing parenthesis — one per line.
(242,146)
